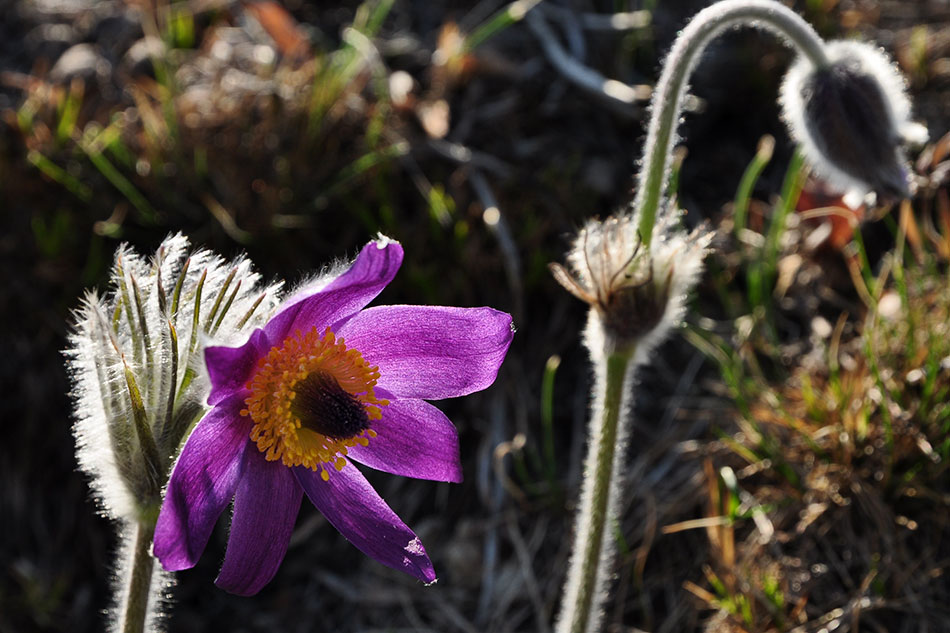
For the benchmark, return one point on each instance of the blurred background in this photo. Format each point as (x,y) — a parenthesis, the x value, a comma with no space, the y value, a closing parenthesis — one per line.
(789,464)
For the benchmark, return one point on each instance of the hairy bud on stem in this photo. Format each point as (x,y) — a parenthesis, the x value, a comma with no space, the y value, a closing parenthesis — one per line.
(134,358)
(851,117)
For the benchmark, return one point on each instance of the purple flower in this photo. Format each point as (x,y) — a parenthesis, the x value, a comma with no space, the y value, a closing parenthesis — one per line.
(325,382)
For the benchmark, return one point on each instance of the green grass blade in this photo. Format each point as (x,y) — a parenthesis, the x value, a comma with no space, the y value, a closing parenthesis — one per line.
(59,175)
(511,14)
(749,178)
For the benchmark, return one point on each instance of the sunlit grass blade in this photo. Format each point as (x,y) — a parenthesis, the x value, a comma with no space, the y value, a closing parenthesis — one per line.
(69,111)
(341,67)
(58,174)
(547,416)
(349,176)
(762,270)
(791,190)
(749,178)
(511,14)
(91,144)
(371,15)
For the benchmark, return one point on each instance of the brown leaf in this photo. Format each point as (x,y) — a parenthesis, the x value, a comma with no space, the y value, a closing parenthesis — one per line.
(281,26)
(840,216)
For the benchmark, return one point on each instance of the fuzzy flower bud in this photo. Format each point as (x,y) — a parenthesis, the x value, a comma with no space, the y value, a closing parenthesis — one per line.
(637,294)
(851,117)
(135,356)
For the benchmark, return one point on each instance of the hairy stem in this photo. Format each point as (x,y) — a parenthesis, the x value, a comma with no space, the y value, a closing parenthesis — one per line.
(593,550)
(134,608)
(668,97)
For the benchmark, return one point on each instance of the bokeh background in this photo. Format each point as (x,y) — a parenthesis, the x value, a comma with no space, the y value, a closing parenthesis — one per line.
(788,469)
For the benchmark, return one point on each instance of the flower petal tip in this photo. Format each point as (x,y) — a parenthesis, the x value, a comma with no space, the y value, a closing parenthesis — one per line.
(387,256)
(201,486)
(172,558)
(171,543)
(384,241)
(416,562)
(431,352)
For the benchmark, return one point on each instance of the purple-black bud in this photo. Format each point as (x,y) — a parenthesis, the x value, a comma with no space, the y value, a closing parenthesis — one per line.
(852,117)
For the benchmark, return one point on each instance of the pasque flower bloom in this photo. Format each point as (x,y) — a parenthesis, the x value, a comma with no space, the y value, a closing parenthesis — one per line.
(322,383)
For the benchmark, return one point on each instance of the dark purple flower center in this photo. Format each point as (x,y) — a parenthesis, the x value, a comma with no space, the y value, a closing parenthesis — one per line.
(323,406)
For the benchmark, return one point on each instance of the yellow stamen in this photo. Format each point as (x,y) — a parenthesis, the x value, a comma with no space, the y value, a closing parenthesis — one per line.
(277,430)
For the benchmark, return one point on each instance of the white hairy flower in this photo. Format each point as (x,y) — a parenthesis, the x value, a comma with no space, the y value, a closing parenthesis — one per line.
(135,358)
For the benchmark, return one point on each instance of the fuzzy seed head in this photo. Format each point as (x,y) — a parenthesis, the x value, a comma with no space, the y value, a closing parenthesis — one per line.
(637,294)
(852,117)
(135,358)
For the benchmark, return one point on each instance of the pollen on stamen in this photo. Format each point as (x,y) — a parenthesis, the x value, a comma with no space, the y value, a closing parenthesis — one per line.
(335,381)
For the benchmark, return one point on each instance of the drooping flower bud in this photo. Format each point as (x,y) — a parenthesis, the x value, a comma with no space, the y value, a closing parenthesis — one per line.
(852,117)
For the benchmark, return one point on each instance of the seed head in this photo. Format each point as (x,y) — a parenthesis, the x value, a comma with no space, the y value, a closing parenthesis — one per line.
(637,294)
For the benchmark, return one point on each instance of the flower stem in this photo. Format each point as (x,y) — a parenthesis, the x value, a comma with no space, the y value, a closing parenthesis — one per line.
(593,550)
(670,90)
(134,609)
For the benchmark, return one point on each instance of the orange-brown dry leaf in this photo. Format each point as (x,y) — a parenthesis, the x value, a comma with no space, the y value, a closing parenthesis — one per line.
(281,26)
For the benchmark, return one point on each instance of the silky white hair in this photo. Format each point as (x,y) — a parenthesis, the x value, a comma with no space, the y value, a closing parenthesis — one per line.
(148,332)
(872,63)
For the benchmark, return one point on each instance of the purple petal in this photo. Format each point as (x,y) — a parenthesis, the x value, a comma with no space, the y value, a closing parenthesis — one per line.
(374,268)
(413,439)
(352,506)
(265,509)
(431,352)
(201,485)
(231,367)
